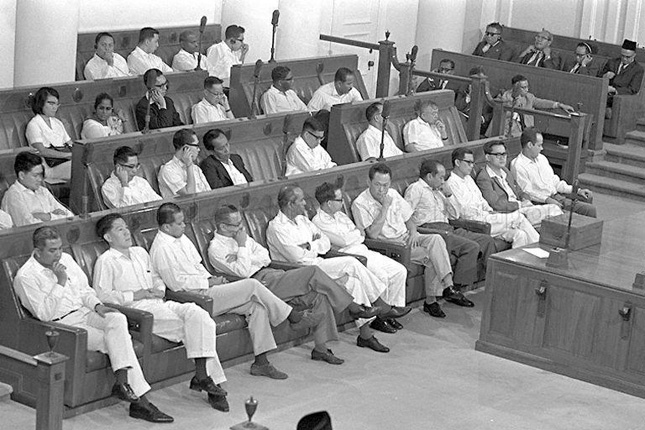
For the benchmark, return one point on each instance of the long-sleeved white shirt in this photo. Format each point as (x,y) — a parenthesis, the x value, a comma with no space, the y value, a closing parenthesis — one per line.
(284,237)
(183,61)
(220,60)
(467,198)
(228,257)
(21,202)
(423,135)
(429,205)
(98,68)
(173,176)
(366,208)
(340,230)
(302,159)
(537,179)
(326,96)
(39,291)
(203,111)
(368,144)
(138,191)
(276,101)
(139,62)
(178,263)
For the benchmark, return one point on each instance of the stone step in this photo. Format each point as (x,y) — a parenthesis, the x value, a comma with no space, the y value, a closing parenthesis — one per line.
(635,137)
(629,154)
(5,392)
(610,169)
(615,187)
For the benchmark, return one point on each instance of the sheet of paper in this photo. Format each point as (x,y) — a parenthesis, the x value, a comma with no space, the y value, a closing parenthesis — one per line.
(538,252)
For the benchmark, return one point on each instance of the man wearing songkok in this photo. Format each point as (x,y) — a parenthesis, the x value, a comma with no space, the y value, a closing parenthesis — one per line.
(540,54)
(280,97)
(54,288)
(229,52)
(584,63)
(344,235)
(383,214)
(233,252)
(536,178)
(293,238)
(214,106)
(468,200)
(181,176)
(105,63)
(162,108)
(221,168)
(428,198)
(426,131)
(27,200)
(186,59)
(368,143)
(142,58)
(175,258)
(493,46)
(124,187)
(340,91)
(500,189)
(625,73)
(305,153)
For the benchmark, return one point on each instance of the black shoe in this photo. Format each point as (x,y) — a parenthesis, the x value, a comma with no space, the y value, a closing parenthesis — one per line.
(456,297)
(149,413)
(327,356)
(365,312)
(372,343)
(207,385)
(434,310)
(124,392)
(218,402)
(396,312)
(381,325)
(394,323)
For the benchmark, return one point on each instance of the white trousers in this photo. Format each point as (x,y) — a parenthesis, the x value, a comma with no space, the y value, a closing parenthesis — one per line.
(187,323)
(110,336)
(512,227)
(58,174)
(536,213)
(257,303)
(433,254)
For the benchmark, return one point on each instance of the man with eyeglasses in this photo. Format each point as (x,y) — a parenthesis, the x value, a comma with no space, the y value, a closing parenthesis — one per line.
(426,131)
(181,176)
(499,188)
(540,54)
(143,58)
(280,97)
(583,63)
(446,67)
(162,108)
(124,187)
(229,52)
(492,46)
(466,197)
(214,106)
(625,73)
(305,153)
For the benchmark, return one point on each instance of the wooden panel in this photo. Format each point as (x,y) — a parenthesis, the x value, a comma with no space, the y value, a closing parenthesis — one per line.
(636,351)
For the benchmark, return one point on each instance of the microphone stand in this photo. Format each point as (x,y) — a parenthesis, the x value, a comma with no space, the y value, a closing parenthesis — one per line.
(274,23)
(559,257)
(202,25)
(385,113)
(146,128)
(255,109)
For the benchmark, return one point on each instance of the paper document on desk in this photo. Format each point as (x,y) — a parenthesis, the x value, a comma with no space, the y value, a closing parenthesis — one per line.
(538,252)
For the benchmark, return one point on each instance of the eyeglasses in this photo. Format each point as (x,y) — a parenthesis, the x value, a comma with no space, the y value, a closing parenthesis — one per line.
(318,138)
(215,94)
(538,37)
(131,166)
(488,33)
(239,224)
(497,154)
(445,69)
(165,84)
(107,108)
(287,79)
(469,162)
(194,145)
(239,40)
(336,200)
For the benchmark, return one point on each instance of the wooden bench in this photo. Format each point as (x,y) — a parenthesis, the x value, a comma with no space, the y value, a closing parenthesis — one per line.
(305,79)
(125,41)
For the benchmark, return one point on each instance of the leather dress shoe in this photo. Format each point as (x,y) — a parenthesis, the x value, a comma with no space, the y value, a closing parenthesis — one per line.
(366,312)
(326,356)
(149,413)
(267,370)
(124,392)
(434,310)
(218,402)
(394,323)
(396,312)
(207,385)
(456,297)
(381,324)
(372,343)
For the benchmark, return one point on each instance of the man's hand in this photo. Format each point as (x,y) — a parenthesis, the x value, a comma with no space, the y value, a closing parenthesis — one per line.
(102,310)
(61,273)
(585,193)
(551,201)
(240,237)
(547,52)
(612,90)
(413,239)
(230,258)
(528,50)
(156,97)
(158,294)
(316,237)
(586,60)
(122,174)
(109,57)
(566,108)
(445,190)
(43,216)
(244,49)
(609,75)
(142,295)
(217,280)
(188,156)
(387,201)
(525,204)
(442,128)
(306,246)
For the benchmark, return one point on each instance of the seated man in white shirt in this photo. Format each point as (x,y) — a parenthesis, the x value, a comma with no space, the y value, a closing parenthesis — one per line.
(214,106)
(468,200)
(124,187)
(181,176)
(233,252)
(54,288)
(175,258)
(280,97)
(229,52)
(536,178)
(27,200)
(142,58)
(186,59)
(368,143)
(344,235)
(5,220)
(340,91)
(426,131)
(105,63)
(383,214)
(221,168)
(293,238)
(305,153)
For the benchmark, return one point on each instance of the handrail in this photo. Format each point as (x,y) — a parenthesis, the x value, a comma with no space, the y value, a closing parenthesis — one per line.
(350,42)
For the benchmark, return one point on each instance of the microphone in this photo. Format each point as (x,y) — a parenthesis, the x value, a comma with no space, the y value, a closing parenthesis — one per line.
(385,113)
(258,67)
(275,17)
(202,26)
(387,107)
(274,23)
(413,53)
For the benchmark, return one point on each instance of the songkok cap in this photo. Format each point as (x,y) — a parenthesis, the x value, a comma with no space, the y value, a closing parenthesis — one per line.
(629,44)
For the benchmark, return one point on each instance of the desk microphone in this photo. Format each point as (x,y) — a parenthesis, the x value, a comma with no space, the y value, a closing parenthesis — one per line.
(385,113)
(274,22)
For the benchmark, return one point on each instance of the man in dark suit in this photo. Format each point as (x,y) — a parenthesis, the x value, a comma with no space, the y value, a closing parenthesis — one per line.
(493,46)
(162,109)
(540,54)
(625,73)
(221,168)
(584,63)
(446,67)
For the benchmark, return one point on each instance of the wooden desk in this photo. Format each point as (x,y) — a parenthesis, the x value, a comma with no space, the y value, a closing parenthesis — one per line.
(586,322)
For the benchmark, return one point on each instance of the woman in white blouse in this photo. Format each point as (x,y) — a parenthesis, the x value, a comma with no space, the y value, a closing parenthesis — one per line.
(47,135)
(105,121)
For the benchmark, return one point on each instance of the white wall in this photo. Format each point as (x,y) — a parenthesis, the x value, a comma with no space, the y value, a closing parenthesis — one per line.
(7,41)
